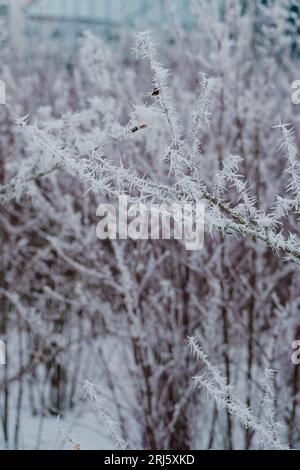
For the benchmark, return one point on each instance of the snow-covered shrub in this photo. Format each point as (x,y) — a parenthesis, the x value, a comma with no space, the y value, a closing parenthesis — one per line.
(191,120)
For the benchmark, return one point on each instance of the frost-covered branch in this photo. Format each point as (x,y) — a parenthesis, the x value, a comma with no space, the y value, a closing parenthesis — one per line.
(100,405)
(226,399)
